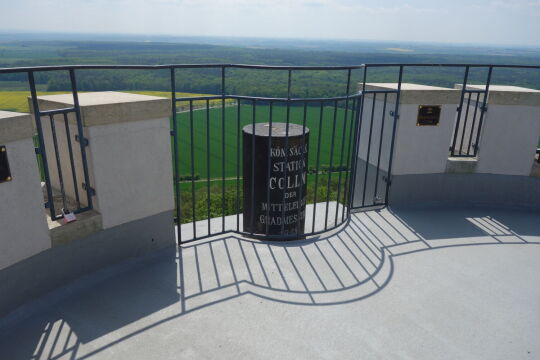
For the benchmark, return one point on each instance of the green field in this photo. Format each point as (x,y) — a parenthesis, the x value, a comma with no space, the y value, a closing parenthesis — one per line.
(216,115)
(210,123)
(227,136)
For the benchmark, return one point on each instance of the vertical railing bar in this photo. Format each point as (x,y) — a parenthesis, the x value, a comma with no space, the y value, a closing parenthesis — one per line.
(81,135)
(223,148)
(396,118)
(192,167)
(465,124)
(343,144)
(58,164)
(317,166)
(72,162)
(300,206)
(238,134)
(330,166)
(462,98)
(380,149)
(346,189)
(480,122)
(288,119)
(252,210)
(269,163)
(368,154)
(208,162)
(473,123)
(356,149)
(175,156)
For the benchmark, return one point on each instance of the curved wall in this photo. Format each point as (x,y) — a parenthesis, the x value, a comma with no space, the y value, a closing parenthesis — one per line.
(467,189)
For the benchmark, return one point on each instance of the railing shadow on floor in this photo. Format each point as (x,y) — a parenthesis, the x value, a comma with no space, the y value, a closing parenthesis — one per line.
(348,265)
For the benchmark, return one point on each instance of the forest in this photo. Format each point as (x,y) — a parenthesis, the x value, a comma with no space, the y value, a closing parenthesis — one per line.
(17,53)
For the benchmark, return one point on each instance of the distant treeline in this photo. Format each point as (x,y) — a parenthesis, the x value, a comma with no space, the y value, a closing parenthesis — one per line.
(241,81)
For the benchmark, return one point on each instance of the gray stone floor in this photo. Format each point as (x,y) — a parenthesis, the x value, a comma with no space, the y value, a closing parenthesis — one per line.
(426,283)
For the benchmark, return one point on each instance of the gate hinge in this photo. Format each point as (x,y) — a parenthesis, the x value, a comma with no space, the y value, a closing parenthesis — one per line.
(37,150)
(394,115)
(484,108)
(90,189)
(172,132)
(47,205)
(82,140)
(387,180)
(458,109)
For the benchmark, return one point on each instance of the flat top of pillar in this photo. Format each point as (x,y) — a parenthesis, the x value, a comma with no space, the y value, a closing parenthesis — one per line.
(504,88)
(406,86)
(508,95)
(107,107)
(11,114)
(15,126)
(99,98)
(278,129)
(508,88)
(417,93)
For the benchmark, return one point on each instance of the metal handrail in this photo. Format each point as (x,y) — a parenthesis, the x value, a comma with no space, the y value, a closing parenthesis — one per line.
(353,109)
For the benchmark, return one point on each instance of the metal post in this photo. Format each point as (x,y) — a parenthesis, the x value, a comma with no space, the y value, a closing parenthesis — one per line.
(41,145)
(175,156)
(81,136)
(456,130)
(483,110)
(357,131)
(396,119)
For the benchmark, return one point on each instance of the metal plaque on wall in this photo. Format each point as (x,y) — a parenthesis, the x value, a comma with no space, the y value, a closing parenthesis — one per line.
(428,115)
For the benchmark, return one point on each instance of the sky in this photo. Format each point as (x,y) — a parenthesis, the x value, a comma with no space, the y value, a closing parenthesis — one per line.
(504,22)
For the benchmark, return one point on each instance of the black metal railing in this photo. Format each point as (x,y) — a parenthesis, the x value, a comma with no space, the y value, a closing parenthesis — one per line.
(350,155)
(467,129)
(71,131)
(328,172)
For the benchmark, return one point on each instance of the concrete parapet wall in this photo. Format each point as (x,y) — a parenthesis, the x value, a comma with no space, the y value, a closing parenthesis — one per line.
(129,154)
(130,168)
(466,189)
(418,149)
(57,266)
(23,227)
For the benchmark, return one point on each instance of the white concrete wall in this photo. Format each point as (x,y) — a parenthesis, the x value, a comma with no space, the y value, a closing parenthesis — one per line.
(418,149)
(129,153)
(132,169)
(23,226)
(422,149)
(510,135)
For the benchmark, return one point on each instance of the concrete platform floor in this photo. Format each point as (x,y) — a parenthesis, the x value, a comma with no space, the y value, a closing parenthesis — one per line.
(428,283)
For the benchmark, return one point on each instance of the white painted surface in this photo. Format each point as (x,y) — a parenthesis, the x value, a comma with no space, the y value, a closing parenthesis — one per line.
(132,169)
(23,229)
(418,149)
(509,139)
(508,95)
(468,291)
(422,149)
(129,153)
